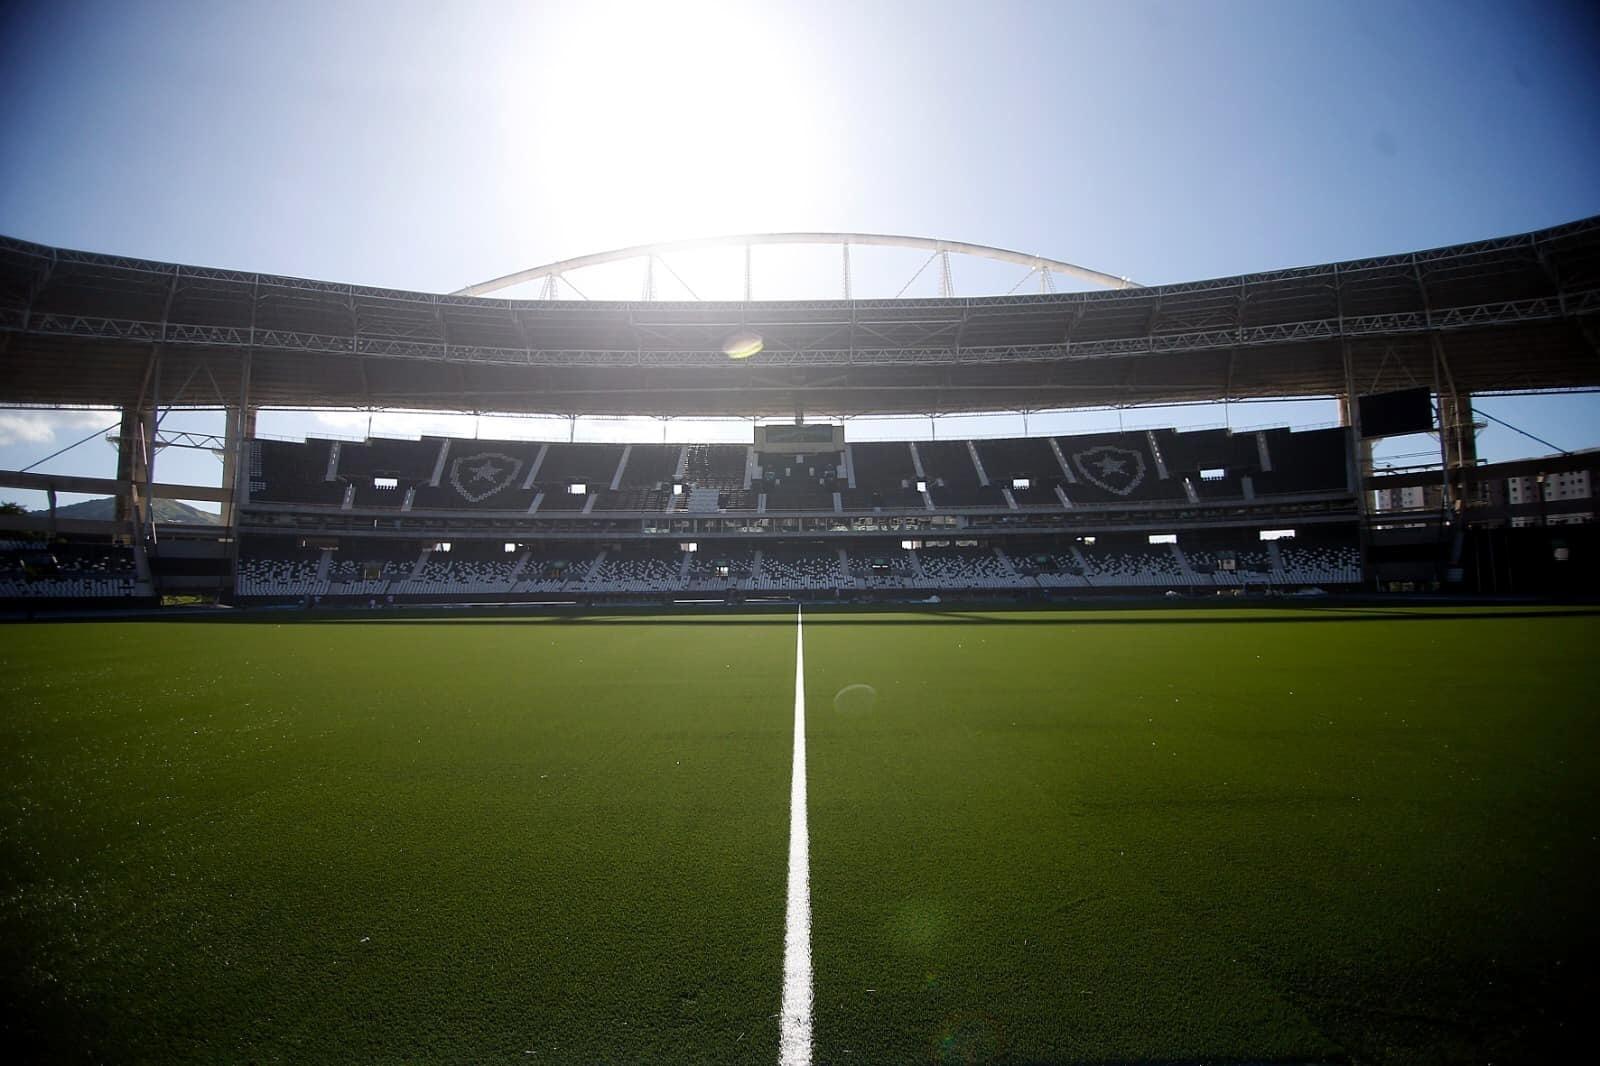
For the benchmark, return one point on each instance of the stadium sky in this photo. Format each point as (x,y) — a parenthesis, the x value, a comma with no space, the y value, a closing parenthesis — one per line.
(427,146)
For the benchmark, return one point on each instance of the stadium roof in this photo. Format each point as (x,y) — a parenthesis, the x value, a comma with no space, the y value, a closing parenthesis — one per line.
(1515,313)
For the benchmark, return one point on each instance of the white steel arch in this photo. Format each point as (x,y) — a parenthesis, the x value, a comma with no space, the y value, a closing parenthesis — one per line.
(1038,265)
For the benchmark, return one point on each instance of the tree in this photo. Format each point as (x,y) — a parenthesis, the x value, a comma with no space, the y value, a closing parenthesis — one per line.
(9,507)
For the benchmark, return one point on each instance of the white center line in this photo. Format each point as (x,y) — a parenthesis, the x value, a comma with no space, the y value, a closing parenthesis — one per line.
(794,1045)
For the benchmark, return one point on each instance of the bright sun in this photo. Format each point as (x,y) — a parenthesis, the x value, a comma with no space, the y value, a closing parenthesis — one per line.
(677,120)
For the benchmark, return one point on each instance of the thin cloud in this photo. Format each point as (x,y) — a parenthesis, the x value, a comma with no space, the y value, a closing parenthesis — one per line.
(43,427)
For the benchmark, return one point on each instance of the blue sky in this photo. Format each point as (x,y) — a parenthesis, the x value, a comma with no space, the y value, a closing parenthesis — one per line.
(428,146)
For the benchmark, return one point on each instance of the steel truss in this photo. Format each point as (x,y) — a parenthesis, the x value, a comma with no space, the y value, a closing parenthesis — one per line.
(1520,312)
(1500,313)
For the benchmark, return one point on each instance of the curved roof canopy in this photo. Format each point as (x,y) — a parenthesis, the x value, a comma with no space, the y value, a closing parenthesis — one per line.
(1035,264)
(1513,313)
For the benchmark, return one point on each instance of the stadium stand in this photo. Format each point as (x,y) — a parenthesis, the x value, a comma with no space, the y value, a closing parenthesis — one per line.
(1065,473)
(637,568)
(812,567)
(800,482)
(644,482)
(569,466)
(716,466)
(65,570)
(886,567)
(1131,565)
(967,568)
(480,474)
(1117,468)
(720,567)
(1308,461)
(281,577)
(364,522)
(885,478)
(286,472)
(1023,459)
(952,476)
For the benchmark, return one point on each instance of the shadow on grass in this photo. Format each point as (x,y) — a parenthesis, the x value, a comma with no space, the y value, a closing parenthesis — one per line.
(897,615)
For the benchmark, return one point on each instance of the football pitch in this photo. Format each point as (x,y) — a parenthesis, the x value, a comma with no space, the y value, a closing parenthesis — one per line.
(1319,834)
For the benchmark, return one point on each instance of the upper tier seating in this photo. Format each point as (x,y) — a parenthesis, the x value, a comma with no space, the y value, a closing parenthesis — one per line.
(407,461)
(482,474)
(1105,470)
(1031,458)
(634,499)
(1110,468)
(800,482)
(590,465)
(281,471)
(952,479)
(716,466)
(885,478)
(1186,454)
(650,466)
(1309,461)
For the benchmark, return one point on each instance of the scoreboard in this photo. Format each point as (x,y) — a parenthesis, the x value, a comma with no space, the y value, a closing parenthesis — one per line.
(798,440)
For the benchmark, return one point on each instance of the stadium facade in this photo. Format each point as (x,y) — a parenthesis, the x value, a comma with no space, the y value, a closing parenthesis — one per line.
(800,510)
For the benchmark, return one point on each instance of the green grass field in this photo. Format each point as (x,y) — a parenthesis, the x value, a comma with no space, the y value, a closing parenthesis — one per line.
(1041,837)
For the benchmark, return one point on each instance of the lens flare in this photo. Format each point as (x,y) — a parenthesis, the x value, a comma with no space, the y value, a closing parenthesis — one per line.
(967,1039)
(742,345)
(855,699)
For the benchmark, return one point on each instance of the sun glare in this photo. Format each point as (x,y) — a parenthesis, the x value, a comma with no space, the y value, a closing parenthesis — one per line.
(672,121)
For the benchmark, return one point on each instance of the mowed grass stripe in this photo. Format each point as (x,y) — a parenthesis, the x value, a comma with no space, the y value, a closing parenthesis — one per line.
(373,842)
(1166,840)
(795,1039)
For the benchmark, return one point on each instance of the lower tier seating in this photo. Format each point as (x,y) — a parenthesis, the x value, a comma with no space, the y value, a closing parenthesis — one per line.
(645,568)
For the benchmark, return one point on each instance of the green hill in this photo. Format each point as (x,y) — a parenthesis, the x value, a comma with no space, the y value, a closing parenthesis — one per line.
(170,511)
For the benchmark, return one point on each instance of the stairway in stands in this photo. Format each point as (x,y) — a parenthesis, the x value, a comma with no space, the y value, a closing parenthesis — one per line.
(1083,565)
(422,561)
(1189,576)
(520,565)
(916,564)
(1275,557)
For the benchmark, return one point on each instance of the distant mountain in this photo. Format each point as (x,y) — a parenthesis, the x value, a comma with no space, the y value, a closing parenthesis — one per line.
(105,509)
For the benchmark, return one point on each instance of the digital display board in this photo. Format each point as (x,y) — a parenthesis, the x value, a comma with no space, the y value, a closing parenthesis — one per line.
(799,440)
(783,436)
(1391,414)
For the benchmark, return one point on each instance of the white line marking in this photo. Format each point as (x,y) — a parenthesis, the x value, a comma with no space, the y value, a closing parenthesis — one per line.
(794,1045)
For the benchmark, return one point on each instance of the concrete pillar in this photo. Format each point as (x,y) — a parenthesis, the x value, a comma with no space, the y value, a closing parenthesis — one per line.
(239,429)
(1458,444)
(136,455)
(136,452)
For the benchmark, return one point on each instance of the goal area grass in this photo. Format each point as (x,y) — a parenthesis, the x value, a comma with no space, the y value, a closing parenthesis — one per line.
(1299,834)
